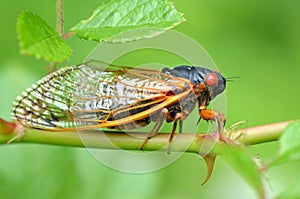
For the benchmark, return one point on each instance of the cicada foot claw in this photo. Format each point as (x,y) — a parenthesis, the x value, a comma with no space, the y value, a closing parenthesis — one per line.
(144,143)
(211,115)
(225,139)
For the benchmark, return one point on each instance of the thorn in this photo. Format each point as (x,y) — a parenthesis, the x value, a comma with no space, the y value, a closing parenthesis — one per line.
(19,131)
(6,127)
(210,161)
(237,124)
(11,128)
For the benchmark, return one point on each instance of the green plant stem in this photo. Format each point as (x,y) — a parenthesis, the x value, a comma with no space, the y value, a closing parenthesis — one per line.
(262,134)
(51,67)
(187,142)
(59,29)
(60,17)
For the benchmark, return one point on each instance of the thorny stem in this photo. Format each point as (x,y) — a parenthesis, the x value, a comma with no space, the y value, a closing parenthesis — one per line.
(187,142)
(204,144)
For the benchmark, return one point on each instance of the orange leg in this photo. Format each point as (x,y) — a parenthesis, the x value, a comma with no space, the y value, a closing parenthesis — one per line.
(219,118)
(212,115)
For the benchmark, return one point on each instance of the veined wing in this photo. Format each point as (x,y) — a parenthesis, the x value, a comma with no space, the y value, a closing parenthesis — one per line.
(47,103)
(87,96)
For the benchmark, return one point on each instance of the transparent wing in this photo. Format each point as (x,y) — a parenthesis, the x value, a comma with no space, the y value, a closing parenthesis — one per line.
(47,103)
(88,95)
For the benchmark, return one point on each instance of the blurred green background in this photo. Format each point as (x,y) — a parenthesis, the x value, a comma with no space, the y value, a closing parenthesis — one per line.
(256,40)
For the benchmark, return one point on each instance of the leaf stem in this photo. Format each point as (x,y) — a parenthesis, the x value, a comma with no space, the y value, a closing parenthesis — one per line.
(60,17)
(51,67)
(59,29)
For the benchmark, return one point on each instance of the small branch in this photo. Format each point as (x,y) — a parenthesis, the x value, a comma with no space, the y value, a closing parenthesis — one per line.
(51,67)
(60,17)
(67,35)
(262,134)
(59,29)
(187,142)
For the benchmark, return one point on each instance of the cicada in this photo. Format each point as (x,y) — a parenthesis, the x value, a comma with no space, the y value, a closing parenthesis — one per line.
(119,97)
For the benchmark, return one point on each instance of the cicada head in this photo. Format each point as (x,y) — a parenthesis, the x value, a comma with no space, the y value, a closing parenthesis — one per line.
(215,83)
(211,81)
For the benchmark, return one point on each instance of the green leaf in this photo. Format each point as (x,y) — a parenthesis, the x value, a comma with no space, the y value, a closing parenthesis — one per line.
(127,20)
(242,162)
(289,145)
(37,38)
(291,192)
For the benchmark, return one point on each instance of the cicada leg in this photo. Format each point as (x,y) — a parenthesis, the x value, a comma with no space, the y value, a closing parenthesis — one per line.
(163,115)
(218,117)
(212,115)
(179,117)
(180,126)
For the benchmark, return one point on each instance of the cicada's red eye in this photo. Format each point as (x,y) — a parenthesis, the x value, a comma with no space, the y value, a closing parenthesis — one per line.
(211,79)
